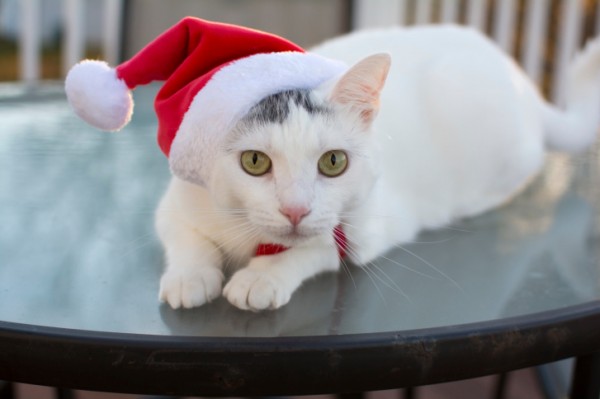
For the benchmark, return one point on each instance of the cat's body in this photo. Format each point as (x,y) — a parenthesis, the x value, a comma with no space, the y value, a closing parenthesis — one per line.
(459,131)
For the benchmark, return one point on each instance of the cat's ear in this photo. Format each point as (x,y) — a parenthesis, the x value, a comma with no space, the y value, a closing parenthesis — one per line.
(361,86)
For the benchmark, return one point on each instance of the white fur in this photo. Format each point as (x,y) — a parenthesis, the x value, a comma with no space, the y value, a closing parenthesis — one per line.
(98,96)
(230,94)
(460,130)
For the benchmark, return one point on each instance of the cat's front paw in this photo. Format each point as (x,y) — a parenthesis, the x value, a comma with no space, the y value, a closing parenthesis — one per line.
(189,288)
(256,290)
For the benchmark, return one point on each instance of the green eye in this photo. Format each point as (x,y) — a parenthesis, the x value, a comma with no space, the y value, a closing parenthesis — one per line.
(333,163)
(255,163)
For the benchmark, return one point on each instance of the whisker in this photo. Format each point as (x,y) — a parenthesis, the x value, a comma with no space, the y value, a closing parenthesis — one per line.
(347,215)
(370,274)
(430,242)
(346,268)
(129,248)
(432,267)
(246,229)
(365,268)
(175,209)
(391,284)
(403,266)
(454,229)
(208,211)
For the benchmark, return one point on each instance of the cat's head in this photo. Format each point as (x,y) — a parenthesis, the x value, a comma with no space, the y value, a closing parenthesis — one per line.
(300,159)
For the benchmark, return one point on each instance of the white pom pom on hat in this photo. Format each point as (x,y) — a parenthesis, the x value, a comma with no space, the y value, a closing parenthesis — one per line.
(213,72)
(98,96)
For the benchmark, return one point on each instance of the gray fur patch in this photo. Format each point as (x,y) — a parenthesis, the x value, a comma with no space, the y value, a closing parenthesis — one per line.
(276,107)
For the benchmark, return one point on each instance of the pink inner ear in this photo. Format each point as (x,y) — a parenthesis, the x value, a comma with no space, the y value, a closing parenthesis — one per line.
(361,86)
(362,97)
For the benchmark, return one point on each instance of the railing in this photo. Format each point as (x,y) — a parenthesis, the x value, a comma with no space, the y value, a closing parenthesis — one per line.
(502,26)
(73,38)
(502,23)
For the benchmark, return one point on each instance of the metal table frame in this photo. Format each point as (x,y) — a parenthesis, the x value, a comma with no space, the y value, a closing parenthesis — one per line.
(178,365)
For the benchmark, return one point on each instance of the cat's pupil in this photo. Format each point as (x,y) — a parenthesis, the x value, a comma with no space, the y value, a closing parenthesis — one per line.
(254,158)
(333,159)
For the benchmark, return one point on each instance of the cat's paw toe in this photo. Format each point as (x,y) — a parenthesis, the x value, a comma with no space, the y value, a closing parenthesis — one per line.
(256,290)
(190,288)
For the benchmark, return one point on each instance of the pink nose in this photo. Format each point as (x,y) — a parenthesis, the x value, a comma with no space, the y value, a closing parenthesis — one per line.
(295,214)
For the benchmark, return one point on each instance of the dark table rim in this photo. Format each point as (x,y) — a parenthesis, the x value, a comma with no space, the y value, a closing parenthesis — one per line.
(239,366)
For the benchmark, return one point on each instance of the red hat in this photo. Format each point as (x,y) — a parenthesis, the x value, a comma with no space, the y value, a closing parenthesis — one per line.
(214,73)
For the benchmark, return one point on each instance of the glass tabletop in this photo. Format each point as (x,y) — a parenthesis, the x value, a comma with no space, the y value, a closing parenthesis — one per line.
(78,248)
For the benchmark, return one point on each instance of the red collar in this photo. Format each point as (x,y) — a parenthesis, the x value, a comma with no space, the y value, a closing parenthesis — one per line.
(273,249)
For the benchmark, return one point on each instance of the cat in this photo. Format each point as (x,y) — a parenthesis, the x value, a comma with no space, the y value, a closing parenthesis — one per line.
(429,125)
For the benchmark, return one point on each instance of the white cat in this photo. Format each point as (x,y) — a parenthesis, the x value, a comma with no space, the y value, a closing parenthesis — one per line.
(460,130)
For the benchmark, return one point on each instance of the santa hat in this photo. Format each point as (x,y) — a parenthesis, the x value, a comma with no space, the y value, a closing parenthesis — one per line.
(214,73)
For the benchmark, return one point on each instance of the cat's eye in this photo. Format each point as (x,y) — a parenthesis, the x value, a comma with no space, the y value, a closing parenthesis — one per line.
(255,163)
(333,163)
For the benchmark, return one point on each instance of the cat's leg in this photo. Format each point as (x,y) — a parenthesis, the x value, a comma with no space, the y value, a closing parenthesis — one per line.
(374,237)
(381,223)
(193,275)
(269,281)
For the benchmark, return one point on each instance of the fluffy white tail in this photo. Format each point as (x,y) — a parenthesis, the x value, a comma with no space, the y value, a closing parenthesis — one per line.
(576,127)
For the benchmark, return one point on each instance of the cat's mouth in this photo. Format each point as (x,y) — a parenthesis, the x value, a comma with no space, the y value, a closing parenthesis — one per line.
(291,235)
(297,234)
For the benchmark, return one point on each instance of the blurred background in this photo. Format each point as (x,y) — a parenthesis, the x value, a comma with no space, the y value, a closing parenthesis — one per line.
(63,31)
(41,39)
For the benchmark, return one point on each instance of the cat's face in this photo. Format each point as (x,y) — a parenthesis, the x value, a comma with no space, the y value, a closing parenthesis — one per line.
(295,177)
(296,164)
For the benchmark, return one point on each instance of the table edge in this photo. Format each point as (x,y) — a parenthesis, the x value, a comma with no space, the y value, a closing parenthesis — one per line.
(253,366)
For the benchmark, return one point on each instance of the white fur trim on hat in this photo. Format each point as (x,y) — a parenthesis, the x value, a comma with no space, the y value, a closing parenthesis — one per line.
(228,97)
(98,96)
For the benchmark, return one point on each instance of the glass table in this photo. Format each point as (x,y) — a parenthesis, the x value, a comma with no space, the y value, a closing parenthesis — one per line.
(80,267)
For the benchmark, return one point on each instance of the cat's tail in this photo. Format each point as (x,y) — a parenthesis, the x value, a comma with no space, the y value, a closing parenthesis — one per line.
(576,127)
